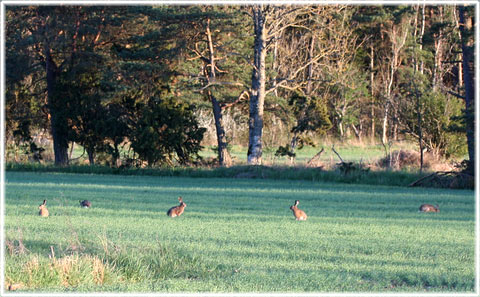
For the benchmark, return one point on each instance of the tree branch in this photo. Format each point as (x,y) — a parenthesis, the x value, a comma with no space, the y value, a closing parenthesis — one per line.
(456,95)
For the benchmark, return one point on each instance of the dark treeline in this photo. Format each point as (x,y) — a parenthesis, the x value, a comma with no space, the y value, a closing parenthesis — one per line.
(142,84)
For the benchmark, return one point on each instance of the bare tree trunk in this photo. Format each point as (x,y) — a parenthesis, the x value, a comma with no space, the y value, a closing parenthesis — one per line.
(91,156)
(419,122)
(257,98)
(460,66)
(310,66)
(395,124)
(372,82)
(389,99)
(422,32)
(275,58)
(420,135)
(438,66)
(385,122)
(224,158)
(70,155)
(293,146)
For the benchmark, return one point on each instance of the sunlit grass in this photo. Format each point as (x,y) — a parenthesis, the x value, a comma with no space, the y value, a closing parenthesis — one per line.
(237,235)
(349,151)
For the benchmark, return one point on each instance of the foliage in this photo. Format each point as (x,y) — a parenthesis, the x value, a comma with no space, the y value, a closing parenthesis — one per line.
(71,69)
(164,131)
(311,115)
(439,114)
(381,177)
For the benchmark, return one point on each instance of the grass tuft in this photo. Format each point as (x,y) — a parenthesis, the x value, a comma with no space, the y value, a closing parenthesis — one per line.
(133,265)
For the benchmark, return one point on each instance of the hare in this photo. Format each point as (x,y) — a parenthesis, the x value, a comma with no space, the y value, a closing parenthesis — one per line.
(299,214)
(43,209)
(428,208)
(85,204)
(177,210)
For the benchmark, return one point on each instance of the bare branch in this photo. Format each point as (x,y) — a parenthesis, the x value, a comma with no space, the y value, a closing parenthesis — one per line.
(243,94)
(456,95)
(219,83)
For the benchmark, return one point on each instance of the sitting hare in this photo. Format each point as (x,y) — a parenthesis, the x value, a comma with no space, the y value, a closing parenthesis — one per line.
(177,210)
(43,209)
(429,208)
(299,214)
(85,204)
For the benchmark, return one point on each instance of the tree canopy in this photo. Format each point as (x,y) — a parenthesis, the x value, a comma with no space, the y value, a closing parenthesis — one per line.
(148,84)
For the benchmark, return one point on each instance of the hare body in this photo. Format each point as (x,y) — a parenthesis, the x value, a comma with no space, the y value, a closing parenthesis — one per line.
(428,208)
(177,210)
(43,209)
(85,204)
(299,214)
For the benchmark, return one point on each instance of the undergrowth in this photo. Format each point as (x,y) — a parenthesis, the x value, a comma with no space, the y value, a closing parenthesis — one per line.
(383,177)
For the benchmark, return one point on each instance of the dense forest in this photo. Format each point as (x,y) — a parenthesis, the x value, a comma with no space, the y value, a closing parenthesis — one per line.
(152,85)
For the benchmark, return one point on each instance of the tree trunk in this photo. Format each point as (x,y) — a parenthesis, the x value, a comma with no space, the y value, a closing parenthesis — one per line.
(395,124)
(420,126)
(372,82)
(422,32)
(469,87)
(70,155)
(91,156)
(438,66)
(60,143)
(310,66)
(257,98)
(460,68)
(385,122)
(224,158)
(293,146)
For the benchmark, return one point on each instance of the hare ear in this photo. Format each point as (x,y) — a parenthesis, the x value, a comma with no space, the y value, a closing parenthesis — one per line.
(180,199)
(296,202)
(44,202)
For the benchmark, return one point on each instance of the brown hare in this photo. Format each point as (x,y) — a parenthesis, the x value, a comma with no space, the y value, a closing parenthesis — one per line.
(299,214)
(43,209)
(177,210)
(85,204)
(428,208)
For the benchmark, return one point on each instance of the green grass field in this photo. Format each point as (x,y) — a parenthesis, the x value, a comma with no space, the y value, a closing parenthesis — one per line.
(236,235)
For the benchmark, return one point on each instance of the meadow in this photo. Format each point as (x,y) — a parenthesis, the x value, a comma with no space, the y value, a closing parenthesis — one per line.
(236,235)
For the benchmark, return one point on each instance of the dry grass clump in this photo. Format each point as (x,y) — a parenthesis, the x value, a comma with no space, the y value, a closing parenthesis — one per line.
(406,159)
(68,271)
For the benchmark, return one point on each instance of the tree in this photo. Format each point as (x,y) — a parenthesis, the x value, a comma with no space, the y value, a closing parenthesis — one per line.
(427,115)
(216,47)
(165,130)
(311,115)
(270,23)
(466,30)
(79,92)
(57,39)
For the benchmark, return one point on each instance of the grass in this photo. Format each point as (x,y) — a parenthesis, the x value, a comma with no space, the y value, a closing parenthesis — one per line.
(236,235)
(380,177)
(350,152)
